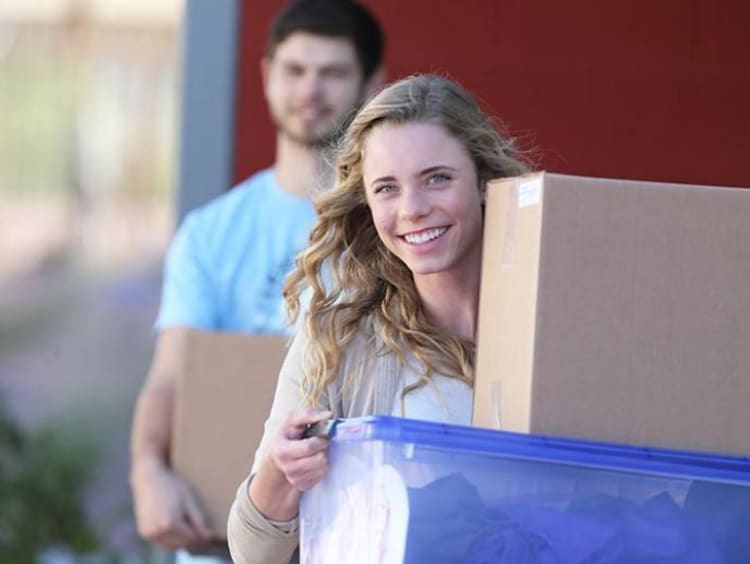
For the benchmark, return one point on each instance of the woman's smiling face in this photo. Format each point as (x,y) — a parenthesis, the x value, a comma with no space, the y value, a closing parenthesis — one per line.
(422,189)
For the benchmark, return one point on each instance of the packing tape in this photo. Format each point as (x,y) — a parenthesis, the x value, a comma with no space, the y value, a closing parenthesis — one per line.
(511,221)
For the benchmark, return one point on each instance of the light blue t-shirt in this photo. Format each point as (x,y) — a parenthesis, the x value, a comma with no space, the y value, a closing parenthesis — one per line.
(226,266)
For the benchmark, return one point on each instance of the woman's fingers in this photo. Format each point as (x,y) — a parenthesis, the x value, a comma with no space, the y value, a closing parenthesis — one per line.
(303,461)
(295,424)
(298,457)
(290,451)
(303,473)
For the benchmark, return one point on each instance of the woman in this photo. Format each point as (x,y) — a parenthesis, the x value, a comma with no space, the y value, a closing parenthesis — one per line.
(392,274)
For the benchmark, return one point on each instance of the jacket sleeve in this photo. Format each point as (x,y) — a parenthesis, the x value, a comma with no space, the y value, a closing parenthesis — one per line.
(255,539)
(252,537)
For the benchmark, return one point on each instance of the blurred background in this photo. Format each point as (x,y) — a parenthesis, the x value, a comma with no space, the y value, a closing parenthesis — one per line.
(88,106)
(118,116)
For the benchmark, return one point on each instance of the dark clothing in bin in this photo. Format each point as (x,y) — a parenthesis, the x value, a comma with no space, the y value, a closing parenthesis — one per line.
(449,522)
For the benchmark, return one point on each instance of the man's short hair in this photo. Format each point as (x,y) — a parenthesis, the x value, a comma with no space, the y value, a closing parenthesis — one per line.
(331,18)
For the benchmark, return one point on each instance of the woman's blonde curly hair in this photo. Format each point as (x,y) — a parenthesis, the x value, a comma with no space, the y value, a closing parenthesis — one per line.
(367,287)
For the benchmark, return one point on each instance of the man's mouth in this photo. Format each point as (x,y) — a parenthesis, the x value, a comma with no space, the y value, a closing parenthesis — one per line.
(311,113)
(425,236)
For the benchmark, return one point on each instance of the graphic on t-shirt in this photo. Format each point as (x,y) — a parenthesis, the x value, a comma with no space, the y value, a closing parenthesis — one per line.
(270,306)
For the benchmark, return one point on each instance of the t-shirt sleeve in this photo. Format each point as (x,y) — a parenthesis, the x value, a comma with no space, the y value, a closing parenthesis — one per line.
(188,291)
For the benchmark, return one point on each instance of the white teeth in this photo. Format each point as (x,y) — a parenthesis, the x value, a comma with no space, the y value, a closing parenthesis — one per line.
(425,236)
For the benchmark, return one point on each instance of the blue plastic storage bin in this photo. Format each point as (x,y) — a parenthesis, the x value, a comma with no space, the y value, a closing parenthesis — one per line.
(404,491)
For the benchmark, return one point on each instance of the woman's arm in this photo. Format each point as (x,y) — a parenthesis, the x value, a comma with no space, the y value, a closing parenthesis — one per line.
(262,523)
(292,465)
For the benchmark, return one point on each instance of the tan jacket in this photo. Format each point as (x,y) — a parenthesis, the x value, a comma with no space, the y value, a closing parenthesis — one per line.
(253,538)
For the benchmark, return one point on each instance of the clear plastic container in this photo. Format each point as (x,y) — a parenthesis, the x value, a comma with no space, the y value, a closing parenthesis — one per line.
(404,491)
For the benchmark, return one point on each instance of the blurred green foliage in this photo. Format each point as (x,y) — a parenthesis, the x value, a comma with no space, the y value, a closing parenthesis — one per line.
(43,474)
(70,109)
(37,92)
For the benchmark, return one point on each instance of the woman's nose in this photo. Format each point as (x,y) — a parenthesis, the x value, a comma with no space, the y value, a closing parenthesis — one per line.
(414,203)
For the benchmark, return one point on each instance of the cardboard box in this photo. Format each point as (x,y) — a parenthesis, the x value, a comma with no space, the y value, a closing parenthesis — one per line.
(224,396)
(616,310)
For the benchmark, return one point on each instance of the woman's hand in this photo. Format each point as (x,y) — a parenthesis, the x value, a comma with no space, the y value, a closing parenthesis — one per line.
(291,465)
(303,461)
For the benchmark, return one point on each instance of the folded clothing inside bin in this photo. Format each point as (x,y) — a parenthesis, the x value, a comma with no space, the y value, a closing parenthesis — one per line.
(449,522)
(724,511)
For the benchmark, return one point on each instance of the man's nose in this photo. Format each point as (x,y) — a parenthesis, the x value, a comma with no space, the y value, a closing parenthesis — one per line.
(311,85)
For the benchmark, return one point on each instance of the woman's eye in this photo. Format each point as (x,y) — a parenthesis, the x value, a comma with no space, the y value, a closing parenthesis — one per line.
(385,189)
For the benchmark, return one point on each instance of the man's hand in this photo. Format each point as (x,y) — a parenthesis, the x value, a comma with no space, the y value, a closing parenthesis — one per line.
(167,513)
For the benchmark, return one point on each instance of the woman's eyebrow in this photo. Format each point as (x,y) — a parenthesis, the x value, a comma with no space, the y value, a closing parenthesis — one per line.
(435,168)
(383,179)
(422,172)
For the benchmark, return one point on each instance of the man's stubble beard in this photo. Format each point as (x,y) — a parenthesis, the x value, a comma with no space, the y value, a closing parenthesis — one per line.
(321,142)
(317,143)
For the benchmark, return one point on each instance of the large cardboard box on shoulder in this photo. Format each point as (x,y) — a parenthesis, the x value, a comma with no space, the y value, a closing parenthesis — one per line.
(224,395)
(616,310)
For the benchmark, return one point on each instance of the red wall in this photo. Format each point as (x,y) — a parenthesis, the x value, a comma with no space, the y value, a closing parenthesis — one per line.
(639,89)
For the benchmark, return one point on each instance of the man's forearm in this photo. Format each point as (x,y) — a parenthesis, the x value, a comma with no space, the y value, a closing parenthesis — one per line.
(152,426)
(151,434)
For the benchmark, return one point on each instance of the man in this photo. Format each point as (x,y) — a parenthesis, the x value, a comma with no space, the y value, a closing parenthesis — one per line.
(227,263)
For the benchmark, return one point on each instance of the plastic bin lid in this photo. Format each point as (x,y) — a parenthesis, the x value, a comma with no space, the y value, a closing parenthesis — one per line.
(544,448)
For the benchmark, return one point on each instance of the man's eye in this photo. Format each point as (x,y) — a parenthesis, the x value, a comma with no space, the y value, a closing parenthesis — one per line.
(294,71)
(336,73)
(438,178)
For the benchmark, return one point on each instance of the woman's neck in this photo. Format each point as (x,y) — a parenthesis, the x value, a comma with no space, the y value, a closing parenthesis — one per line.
(451,301)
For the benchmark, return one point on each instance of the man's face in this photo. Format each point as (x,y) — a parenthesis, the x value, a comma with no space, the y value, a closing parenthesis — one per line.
(312,83)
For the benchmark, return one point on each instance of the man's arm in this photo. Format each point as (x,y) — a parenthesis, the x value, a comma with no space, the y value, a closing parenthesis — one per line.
(167,513)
